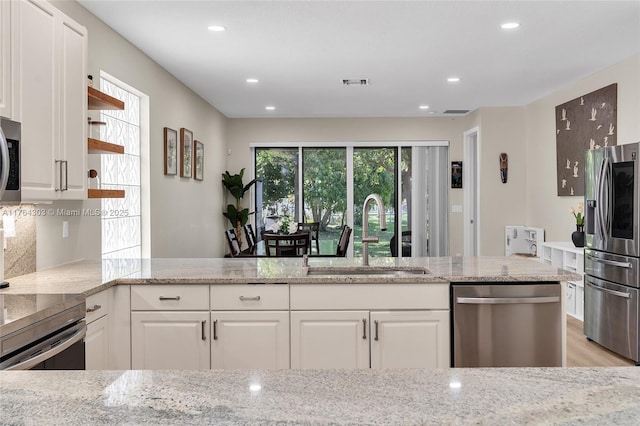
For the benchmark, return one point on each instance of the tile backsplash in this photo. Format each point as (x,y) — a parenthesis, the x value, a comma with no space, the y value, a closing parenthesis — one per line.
(20,254)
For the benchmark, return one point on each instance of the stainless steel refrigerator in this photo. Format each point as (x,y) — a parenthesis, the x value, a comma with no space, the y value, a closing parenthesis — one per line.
(612,249)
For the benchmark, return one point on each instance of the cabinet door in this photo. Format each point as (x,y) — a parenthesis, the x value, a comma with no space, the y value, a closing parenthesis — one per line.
(329,339)
(73,108)
(170,340)
(5,59)
(410,339)
(250,340)
(97,345)
(34,73)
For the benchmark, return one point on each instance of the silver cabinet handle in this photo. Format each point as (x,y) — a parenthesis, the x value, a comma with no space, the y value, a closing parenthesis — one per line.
(93,308)
(364,329)
(244,299)
(204,336)
(626,265)
(506,300)
(169,298)
(376,323)
(215,332)
(59,187)
(611,292)
(66,176)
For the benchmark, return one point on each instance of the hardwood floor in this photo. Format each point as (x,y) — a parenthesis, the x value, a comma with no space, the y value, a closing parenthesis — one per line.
(583,353)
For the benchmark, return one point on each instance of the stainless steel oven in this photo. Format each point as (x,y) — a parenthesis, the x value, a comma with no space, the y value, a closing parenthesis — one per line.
(42,332)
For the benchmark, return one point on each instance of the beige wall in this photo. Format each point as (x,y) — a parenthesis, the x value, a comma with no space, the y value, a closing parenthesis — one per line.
(241,132)
(185,218)
(543,207)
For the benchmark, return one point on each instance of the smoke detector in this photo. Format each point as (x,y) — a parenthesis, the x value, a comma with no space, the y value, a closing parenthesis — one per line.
(355,81)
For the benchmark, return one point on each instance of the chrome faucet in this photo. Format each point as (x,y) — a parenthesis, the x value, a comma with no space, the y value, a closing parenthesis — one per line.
(366,239)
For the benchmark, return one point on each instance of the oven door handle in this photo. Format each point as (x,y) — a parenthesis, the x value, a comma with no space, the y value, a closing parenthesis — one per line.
(74,338)
(4,158)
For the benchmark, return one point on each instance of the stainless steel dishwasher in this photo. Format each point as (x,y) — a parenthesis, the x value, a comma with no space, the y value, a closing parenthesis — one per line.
(506,325)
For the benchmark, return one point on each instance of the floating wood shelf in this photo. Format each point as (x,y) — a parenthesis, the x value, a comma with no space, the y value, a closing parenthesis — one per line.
(100,147)
(106,193)
(99,100)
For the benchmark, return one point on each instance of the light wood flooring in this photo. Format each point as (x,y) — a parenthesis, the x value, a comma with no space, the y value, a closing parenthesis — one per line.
(583,353)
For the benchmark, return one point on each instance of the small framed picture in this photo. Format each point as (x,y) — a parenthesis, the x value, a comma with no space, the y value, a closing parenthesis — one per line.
(170,151)
(456,174)
(198,161)
(186,147)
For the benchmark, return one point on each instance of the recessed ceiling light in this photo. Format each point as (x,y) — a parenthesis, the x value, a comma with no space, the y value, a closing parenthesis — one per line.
(424,107)
(453,79)
(510,25)
(252,80)
(269,107)
(217,28)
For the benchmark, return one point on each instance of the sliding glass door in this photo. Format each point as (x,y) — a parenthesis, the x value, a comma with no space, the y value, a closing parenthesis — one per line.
(328,183)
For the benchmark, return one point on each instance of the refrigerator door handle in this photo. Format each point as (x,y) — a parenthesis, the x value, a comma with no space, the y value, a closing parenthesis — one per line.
(626,265)
(601,201)
(506,300)
(609,291)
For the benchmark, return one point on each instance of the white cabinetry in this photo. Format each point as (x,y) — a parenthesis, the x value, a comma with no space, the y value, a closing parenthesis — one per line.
(170,327)
(570,258)
(250,327)
(5,59)
(362,326)
(410,339)
(97,338)
(49,95)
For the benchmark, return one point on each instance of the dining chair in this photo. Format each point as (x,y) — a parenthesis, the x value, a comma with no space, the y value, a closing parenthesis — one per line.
(286,245)
(406,245)
(313,228)
(343,241)
(232,240)
(251,238)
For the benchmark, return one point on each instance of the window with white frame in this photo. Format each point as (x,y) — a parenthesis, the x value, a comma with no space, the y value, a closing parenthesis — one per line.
(121,227)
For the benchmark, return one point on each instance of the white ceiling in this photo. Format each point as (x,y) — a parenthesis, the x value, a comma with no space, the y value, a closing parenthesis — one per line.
(301,50)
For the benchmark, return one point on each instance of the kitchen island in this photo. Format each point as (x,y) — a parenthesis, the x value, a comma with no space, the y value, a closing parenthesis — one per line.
(585,396)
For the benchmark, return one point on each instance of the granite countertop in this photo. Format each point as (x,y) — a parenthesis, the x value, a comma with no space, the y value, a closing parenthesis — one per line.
(584,396)
(91,276)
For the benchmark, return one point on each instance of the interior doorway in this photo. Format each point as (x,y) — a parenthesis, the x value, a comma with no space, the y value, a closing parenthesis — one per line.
(470,182)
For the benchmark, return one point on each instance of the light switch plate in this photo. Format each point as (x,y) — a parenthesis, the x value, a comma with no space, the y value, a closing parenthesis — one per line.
(456,208)
(65,229)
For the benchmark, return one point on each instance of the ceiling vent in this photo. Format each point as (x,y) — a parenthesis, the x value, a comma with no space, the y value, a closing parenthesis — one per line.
(355,81)
(455,111)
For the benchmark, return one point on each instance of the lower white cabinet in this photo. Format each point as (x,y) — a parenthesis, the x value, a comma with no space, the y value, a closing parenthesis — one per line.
(410,339)
(97,345)
(250,340)
(170,340)
(329,339)
(364,339)
(96,341)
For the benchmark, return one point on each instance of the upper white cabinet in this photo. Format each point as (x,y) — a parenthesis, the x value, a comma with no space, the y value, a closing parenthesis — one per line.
(49,97)
(5,59)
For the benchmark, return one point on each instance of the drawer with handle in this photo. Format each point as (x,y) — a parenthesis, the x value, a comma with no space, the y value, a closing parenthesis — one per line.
(97,306)
(170,297)
(249,297)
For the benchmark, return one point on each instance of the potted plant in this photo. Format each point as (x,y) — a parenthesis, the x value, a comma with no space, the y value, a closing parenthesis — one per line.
(578,235)
(237,215)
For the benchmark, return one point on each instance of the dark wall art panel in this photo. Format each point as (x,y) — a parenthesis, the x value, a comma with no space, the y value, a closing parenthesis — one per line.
(584,123)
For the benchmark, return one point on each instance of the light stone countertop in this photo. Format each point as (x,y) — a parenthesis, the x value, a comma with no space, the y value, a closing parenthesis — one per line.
(91,276)
(574,396)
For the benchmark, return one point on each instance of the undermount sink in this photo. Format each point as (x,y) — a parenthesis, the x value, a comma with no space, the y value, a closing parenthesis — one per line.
(367,270)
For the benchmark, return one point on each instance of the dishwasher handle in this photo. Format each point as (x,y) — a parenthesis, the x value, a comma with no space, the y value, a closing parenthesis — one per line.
(506,300)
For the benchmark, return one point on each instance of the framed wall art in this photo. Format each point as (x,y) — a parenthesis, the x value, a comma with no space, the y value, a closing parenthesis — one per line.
(584,123)
(198,161)
(456,174)
(186,148)
(170,151)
